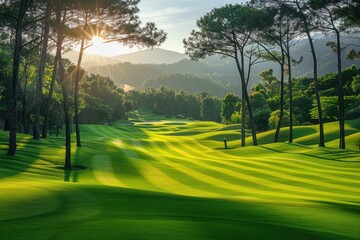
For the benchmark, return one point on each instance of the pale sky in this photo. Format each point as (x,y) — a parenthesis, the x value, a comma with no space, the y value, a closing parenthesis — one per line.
(176,17)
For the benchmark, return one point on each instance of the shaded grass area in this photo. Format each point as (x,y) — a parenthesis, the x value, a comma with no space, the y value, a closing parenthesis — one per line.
(171,179)
(150,215)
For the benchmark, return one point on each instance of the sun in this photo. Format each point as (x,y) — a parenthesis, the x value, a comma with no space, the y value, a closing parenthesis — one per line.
(96,41)
(99,46)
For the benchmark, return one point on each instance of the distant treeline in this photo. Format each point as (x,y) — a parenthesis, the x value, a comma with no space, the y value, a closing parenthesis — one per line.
(168,102)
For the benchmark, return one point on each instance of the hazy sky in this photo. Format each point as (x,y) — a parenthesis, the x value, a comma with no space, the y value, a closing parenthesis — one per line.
(176,17)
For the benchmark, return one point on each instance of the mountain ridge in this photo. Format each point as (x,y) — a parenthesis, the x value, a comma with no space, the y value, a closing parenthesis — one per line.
(222,71)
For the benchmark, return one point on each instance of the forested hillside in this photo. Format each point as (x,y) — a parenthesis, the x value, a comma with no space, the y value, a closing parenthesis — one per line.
(220,70)
(188,83)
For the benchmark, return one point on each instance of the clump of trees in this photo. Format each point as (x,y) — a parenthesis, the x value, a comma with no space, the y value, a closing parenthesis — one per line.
(265,31)
(29,29)
(164,101)
(265,100)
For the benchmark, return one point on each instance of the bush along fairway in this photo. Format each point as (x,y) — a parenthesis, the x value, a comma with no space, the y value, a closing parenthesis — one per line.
(174,180)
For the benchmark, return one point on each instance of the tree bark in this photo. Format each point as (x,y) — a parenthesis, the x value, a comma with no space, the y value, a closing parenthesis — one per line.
(317,93)
(39,85)
(251,116)
(64,85)
(243,113)
(65,91)
(291,110)
(316,83)
(341,93)
(243,100)
(277,132)
(76,94)
(13,86)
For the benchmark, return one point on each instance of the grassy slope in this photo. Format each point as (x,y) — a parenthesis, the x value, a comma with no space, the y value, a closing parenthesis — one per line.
(172,180)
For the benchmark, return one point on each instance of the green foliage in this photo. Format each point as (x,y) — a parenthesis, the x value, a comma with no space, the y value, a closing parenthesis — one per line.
(230,104)
(261,118)
(166,101)
(5,75)
(355,85)
(104,101)
(236,117)
(210,109)
(330,109)
(261,107)
(186,82)
(274,119)
(302,100)
(270,83)
(329,83)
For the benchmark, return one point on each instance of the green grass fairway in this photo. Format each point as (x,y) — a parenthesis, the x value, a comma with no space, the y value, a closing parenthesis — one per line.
(172,179)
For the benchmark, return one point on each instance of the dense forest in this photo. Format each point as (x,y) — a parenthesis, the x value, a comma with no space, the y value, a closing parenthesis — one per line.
(41,91)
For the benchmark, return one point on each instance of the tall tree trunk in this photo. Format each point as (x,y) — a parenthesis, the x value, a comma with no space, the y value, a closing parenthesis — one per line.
(291,110)
(282,92)
(243,113)
(277,132)
(24,110)
(317,93)
(341,93)
(251,116)
(76,94)
(65,90)
(64,84)
(316,82)
(38,95)
(243,100)
(13,85)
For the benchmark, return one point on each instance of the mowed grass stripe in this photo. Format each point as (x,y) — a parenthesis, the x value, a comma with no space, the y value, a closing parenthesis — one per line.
(288,166)
(179,181)
(201,177)
(138,181)
(159,178)
(209,156)
(272,165)
(242,189)
(313,164)
(274,184)
(104,172)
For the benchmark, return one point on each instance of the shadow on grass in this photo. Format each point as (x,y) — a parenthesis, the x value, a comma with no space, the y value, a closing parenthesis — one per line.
(326,153)
(72,175)
(28,151)
(165,216)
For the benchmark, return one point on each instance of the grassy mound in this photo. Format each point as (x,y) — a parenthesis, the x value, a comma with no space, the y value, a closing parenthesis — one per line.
(172,179)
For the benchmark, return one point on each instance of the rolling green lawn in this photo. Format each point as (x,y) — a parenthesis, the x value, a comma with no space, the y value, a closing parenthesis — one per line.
(172,179)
